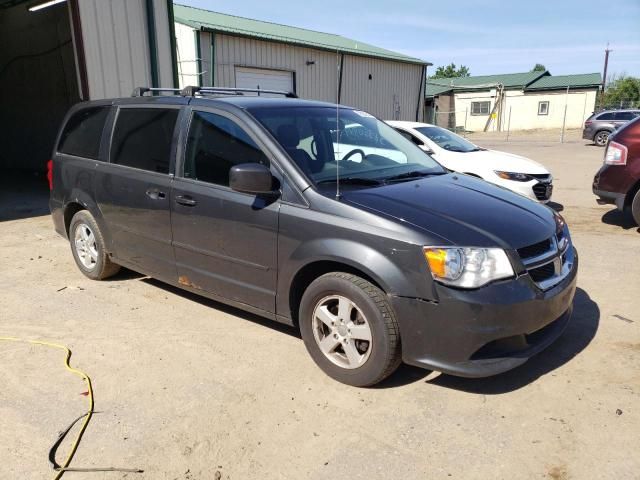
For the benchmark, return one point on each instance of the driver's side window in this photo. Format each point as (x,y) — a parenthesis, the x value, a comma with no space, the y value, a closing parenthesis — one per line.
(408,136)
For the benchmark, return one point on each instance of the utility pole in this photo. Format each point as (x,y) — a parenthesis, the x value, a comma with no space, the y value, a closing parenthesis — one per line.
(604,75)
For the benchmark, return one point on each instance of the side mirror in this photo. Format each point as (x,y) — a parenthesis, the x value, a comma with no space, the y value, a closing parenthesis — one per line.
(426,149)
(252,178)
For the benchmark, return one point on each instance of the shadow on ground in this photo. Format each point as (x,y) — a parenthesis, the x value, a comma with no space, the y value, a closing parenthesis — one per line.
(558,207)
(579,333)
(280,327)
(23,195)
(620,219)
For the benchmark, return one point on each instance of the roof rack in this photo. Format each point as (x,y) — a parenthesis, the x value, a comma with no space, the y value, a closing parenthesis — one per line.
(140,91)
(192,91)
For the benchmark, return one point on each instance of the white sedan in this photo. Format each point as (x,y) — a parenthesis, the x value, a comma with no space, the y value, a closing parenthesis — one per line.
(519,174)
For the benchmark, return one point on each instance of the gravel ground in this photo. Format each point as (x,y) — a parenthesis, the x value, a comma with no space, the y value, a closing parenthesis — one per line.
(190,389)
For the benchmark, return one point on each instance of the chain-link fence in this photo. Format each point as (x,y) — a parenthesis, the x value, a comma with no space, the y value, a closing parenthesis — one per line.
(620,104)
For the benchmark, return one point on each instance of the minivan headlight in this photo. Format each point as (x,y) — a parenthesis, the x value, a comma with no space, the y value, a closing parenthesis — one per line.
(468,267)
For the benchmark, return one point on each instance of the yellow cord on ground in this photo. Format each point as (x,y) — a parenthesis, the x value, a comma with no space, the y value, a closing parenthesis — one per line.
(75,371)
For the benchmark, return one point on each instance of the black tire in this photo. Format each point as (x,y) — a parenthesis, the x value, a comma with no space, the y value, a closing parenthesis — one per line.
(384,355)
(101,267)
(635,208)
(601,138)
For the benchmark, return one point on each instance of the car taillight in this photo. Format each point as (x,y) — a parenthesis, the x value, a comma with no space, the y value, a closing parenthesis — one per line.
(50,174)
(587,123)
(616,154)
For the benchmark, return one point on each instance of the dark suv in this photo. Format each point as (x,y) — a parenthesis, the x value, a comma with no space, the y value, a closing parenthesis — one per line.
(373,250)
(599,126)
(618,180)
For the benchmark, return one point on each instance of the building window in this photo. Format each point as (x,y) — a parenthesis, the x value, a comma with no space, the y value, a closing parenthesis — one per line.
(543,108)
(480,108)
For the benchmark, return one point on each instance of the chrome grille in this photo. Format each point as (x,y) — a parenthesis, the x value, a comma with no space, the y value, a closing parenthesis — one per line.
(550,261)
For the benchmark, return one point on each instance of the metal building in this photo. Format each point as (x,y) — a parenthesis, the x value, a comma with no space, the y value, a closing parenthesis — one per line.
(215,49)
(58,52)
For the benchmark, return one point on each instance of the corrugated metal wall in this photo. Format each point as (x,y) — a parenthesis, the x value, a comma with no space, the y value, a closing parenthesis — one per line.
(317,81)
(389,90)
(394,90)
(116,44)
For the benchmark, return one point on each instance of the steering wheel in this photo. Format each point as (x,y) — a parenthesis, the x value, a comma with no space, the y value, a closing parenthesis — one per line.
(314,148)
(353,152)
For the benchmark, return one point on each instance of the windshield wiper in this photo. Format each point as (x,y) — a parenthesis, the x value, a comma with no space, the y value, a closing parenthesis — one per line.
(352,181)
(412,175)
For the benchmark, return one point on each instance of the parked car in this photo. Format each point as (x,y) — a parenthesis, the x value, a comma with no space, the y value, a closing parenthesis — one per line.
(618,180)
(599,126)
(376,260)
(519,174)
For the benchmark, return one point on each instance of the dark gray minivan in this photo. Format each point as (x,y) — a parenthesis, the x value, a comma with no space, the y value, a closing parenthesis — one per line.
(318,216)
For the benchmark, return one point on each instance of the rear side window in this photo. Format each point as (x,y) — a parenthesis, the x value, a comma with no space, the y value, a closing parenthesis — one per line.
(606,116)
(82,133)
(142,138)
(216,144)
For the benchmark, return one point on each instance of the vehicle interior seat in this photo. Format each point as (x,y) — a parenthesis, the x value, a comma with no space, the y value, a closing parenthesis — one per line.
(289,137)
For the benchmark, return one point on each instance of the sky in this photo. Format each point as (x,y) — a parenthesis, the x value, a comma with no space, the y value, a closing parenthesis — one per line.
(488,36)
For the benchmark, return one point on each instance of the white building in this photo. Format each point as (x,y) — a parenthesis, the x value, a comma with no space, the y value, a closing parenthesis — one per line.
(516,101)
(228,51)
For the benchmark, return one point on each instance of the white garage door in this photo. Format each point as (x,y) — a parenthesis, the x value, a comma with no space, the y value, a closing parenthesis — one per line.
(264,79)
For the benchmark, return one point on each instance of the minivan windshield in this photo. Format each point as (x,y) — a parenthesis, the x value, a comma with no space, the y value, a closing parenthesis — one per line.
(448,140)
(365,151)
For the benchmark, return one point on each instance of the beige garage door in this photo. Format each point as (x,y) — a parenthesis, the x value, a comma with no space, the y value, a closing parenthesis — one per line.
(264,79)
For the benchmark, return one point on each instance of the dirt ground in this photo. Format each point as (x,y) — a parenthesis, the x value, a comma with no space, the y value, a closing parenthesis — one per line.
(186,388)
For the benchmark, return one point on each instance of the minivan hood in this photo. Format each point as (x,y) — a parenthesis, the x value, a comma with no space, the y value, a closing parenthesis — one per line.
(461,210)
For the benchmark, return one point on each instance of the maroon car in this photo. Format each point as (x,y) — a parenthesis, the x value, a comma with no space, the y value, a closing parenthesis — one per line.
(618,180)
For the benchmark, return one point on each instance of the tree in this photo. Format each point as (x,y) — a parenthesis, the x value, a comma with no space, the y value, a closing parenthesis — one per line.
(622,91)
(451,71)
(539,68)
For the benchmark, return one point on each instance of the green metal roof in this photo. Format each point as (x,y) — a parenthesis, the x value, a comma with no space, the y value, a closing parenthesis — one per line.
(508,80)
(582,80)
(525,81)
(433,89)
(220,22)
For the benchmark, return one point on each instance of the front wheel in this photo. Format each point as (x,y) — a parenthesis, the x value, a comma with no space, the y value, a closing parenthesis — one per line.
(635,208)
(349,329)
(601,138)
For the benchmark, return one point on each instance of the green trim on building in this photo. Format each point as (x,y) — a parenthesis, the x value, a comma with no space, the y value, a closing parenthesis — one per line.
(172,41)
(213,21)
(153,43)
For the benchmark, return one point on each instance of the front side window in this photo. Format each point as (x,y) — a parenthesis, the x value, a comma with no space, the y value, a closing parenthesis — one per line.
(142,138)
(480,108)
(543,108)
(364,150)
(625,116)
(83,132)
(448,140)
(215,144)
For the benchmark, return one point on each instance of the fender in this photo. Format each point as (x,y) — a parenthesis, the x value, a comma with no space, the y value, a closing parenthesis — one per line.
(82,197)
(398,270)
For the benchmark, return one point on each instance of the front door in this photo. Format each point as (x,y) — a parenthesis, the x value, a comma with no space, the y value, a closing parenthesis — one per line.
(133,190)
(225,242)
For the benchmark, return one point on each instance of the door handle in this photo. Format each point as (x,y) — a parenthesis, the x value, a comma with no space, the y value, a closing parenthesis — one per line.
(185,200)
(156,194)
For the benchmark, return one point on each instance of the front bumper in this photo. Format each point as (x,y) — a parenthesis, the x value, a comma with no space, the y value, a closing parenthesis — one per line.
(483,332)
(540,191)
(613,198)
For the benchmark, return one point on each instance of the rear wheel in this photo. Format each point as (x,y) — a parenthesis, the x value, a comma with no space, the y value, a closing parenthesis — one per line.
(349,329)
(601,138)
(635,208)
(87,246)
